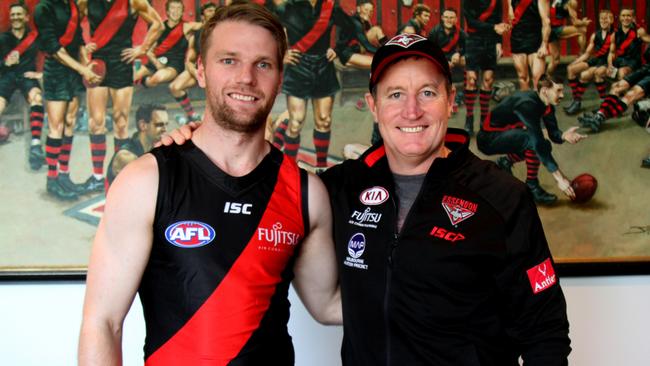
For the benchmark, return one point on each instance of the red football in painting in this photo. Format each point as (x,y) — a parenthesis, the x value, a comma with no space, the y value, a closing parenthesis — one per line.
(99,68)
(584,186)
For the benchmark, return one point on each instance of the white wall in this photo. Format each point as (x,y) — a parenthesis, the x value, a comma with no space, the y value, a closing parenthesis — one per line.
(39,324)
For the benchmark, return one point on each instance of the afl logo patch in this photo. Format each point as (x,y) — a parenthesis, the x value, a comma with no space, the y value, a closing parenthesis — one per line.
(356,245)
(374,196)
(189,234)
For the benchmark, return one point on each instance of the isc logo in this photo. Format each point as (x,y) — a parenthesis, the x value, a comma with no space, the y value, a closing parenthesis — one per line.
(441,233)
(374,196)
(189,234)
(238,208)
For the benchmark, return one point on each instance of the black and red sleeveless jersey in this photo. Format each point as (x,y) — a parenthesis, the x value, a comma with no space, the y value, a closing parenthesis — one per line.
(98,10)
(602,38)
(215,289)
(178,50)
(628,44)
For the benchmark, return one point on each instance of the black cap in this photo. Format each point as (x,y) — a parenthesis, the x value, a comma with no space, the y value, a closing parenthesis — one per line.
(407,45)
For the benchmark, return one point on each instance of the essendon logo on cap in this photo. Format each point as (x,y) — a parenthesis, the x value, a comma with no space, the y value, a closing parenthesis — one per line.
(542,276)
(405,40)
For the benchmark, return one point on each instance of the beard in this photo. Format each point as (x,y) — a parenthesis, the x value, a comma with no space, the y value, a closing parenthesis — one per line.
(232,120)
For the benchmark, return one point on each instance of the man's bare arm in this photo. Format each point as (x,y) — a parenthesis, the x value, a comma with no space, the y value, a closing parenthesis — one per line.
(316,278)
(151,17)
(119,256)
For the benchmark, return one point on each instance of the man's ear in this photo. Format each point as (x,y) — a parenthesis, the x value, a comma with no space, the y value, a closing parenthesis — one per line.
(370,100)
(200,72)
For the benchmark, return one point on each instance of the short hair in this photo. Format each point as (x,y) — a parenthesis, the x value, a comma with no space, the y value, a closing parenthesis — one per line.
(547,81)
(451,10)
(169,2)
(251,13)
(363,2)
(627,7)
(145,112)
(421,8)
(207,6)
(19,4)
(604,11)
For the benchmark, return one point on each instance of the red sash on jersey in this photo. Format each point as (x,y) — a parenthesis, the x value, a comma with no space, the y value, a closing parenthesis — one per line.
(24,44)
(449,46)
(604,49)
(111,23)
(521,9)
(485,14)
(71,28)
(631,36)
(555,22)
(308,40)
(170,41)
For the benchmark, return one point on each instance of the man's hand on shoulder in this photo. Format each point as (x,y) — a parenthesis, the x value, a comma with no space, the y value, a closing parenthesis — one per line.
(178,136)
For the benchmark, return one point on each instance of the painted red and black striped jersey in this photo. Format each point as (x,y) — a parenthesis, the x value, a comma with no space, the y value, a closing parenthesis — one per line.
(215,289)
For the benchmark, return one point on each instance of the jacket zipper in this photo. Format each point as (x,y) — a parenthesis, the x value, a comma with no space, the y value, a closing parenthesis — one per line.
(389,270)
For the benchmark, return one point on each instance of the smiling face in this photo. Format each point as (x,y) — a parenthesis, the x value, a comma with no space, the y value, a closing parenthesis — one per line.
(17,17)
(626,17)
(449,19)
(412,106)
(365,11)
(605,20)
(175,11)
(241,75)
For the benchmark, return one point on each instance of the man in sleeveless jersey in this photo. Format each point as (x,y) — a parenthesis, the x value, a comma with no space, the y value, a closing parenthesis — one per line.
(485,29)
(111,29)
(167,59)
(211,233)
(531,29)
(450,38)
(592,64)
(18,71)
(355,49)
(187,79)
(59,36)
(625,49)
(420,19)
(309,72)
(561,12)
(151,121)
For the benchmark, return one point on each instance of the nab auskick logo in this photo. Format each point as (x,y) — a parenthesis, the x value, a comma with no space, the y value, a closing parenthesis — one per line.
(189,234)
(374,196)
(458,209)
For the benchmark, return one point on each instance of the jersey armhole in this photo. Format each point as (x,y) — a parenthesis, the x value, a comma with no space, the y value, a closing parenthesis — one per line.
(162,183)
(304,200)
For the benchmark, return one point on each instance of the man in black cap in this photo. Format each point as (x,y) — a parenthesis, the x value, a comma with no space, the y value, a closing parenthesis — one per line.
(442,257)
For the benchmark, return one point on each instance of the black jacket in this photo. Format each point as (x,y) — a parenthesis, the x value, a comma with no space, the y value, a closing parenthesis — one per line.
(456,285)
